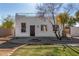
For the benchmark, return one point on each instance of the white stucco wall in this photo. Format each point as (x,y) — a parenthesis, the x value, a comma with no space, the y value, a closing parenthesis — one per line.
(32,21)
(74,31)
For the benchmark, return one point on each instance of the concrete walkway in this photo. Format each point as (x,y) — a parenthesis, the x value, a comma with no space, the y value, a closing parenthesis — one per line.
(6,48)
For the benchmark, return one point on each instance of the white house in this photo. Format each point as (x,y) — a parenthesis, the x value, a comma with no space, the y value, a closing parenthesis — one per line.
(27,26)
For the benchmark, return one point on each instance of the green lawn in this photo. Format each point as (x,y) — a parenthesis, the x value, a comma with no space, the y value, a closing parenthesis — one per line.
(46,50)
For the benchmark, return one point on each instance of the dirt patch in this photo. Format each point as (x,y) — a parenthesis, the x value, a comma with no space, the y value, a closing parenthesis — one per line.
(5,52)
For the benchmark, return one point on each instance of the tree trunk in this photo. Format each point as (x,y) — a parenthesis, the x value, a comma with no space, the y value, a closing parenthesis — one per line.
(63,32)
(57,33)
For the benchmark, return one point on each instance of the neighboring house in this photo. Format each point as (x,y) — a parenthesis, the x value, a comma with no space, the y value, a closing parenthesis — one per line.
(74,31)
(26,26)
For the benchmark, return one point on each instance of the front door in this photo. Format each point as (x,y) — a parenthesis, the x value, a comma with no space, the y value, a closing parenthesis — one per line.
(32,30)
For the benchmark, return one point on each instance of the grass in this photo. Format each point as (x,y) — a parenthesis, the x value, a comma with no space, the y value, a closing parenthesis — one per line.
(46,50)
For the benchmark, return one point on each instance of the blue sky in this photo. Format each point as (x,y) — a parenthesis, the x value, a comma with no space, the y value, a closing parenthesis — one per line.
(13,8)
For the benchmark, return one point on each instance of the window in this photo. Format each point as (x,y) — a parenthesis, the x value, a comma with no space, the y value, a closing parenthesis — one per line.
(23,27)
(43,27)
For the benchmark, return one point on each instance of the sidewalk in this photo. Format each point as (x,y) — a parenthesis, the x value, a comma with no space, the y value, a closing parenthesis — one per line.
(4,51)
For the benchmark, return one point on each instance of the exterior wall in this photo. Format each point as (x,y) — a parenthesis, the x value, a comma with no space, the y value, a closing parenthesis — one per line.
(74,31)
(32,21)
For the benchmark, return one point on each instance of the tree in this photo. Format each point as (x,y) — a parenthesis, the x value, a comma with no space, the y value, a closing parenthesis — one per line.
(77,16)
(72,21)
(48,8)
(7,22)
(66,21)
(70,8)
(63,17)
(51,9)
